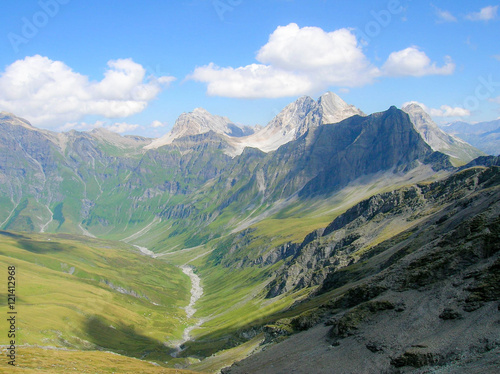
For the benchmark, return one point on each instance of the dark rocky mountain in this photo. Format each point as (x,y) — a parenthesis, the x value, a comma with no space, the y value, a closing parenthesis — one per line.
(407,281)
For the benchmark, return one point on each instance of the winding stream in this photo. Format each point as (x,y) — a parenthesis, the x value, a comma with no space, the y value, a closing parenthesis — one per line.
(196,293)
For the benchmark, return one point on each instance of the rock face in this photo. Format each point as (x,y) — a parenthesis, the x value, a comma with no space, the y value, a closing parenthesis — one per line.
(334,109)
(437,138)
(365,145)
(414,289)
(317,262)
(290,124)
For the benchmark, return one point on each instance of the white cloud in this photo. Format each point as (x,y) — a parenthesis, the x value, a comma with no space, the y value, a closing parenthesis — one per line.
(81,126)
(122,127)
(485,14)
(310,48)
(445,15)
(495,100)
(413,62)
(49,92)
(295,61)
(443,111)
(119,127)
(251,81)
(448,111)
(157,124)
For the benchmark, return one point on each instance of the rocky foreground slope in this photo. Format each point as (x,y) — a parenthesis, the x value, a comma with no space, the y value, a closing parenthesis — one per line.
(407,281)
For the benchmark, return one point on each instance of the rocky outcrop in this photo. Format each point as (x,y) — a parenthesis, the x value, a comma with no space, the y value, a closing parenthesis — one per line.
(351,236)
(424,300)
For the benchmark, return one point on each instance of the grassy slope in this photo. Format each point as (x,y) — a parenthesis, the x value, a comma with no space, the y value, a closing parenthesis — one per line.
(31,360)
(68,295)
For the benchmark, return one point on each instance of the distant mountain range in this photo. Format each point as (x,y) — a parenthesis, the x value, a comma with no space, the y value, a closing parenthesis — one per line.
(66,181)
(291,123)
(484,135)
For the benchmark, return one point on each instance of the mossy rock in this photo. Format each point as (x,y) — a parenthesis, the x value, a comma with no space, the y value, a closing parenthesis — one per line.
(487,287)
(357,295)
(416,359)
(350,321)
(307,320)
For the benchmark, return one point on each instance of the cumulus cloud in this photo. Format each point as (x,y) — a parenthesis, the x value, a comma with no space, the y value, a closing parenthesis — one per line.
(414,62)
(49,92)
(444,15)
(122,127)
(157,124)
(251,81)
(443,111)
(293,62)
(81,126)
(485,14)
(297,61)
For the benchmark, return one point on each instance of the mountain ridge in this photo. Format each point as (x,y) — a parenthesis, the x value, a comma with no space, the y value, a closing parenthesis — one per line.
(437,138)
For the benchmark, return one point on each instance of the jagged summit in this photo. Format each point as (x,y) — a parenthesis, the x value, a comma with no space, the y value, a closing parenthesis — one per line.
(334,109)
(199,121)
(290,124)
(437,138)
(296,119)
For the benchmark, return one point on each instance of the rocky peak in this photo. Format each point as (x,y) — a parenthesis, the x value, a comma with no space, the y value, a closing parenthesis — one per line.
(296,117)
(13,120)
(197,122)
(421,120)
(437,138)
(200,121)
(334,109)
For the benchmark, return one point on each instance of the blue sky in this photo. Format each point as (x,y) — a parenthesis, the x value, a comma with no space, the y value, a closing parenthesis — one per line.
(134,67)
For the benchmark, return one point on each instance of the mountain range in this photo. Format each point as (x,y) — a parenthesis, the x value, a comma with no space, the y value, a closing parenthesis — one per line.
(324,216)
(483,135)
